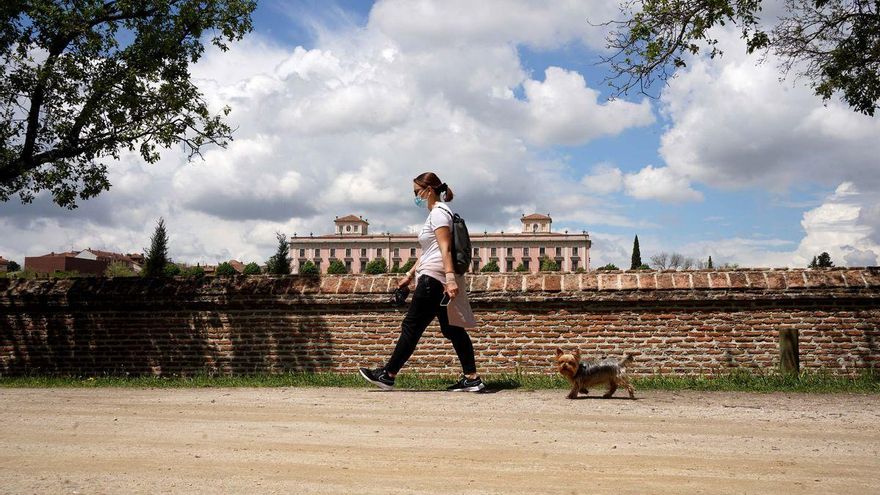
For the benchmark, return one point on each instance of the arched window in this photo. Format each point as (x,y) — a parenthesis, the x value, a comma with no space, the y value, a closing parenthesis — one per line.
(348,228)
(534,227)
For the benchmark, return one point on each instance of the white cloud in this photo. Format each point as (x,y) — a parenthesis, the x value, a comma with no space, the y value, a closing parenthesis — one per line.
(661,184)
(565,111)
(604,179)
(734,124)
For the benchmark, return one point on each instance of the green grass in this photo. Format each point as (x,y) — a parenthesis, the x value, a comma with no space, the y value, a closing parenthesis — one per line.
(744,381)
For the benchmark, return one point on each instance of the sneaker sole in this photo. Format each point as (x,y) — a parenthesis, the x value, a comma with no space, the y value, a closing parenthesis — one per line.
(475,388)
(383,386)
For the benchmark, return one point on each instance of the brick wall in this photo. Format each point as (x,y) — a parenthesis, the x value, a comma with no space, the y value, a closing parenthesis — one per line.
(675,322)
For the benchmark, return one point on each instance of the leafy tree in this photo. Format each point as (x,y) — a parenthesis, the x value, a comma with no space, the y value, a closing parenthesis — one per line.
(609,266)
(821,261)
(193,272)
(171,270)
(830,43)
(156,258)
(521,268)
(337,267)
(549,265)
(119,269)
(251,269)
(643,267)
(491,266)
(408,265)
(85,80)
(636,255)
(377,266)
(13,266)
(309,268)
(279,263)
(225,270)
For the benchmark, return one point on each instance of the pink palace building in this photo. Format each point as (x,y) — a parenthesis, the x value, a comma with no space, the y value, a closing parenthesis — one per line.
(355,246)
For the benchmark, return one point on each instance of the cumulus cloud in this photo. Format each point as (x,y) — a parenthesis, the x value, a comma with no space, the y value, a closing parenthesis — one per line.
(660,183)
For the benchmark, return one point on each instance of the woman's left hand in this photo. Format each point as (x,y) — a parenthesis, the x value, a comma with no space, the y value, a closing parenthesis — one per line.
(451,289)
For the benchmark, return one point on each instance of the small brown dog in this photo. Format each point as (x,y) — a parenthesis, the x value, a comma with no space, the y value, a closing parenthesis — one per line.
(585,375)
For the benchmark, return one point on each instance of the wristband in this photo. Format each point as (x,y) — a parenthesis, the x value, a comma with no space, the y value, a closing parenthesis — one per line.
(450,278)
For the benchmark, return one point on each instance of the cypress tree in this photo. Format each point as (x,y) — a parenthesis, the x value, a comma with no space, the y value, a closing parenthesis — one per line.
(636,256)
(157,257)
(279,263)
(710,263)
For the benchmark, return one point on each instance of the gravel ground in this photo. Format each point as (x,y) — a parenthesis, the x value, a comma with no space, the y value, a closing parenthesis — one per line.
(334,440)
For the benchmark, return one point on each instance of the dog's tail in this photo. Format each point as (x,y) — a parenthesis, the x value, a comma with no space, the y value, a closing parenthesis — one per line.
(625,361)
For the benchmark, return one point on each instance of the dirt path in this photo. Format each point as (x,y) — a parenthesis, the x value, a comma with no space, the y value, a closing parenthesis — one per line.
(364,441)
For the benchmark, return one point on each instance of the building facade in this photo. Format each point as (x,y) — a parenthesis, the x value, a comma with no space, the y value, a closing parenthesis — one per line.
(4,265)
(355,247)
(87,262)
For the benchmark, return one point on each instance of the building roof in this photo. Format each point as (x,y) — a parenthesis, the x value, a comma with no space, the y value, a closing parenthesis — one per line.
(350,218)
(237,265)
(66,254)
(536,216)
(109,254)
(3,261)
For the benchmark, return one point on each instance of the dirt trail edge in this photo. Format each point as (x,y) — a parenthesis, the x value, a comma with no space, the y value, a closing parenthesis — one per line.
(334,440)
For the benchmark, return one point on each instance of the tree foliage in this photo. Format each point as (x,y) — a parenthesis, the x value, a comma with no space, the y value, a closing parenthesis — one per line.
(12,266)
(119,269)
(549,265)
(521,268)
(337,267)
(225,270)
(636,262)
(491,266)
(821,261)
(84,80)
(156,257)
(279,263)
(376,266)
(309,268)
(251,269)
(609,266)
(831,43)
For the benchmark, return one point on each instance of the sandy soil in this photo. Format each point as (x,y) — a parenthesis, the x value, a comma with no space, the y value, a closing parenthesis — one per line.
(364,441)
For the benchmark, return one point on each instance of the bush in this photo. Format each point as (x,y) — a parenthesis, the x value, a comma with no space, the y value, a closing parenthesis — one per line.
(643,267)
(13,266)
(609,266)
(119,269)
(252,269)
(491,266)
(548,265)
(225,270)
(580,270)
(171,270)
(309,268)
(63,274)
(521,268)
(408,265)
(193,272)
(336,267)
(377,266)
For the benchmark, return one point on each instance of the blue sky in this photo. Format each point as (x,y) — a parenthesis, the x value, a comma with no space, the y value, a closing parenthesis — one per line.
(339,104)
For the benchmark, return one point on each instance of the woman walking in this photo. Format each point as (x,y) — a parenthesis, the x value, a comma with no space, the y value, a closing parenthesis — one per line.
(436,290)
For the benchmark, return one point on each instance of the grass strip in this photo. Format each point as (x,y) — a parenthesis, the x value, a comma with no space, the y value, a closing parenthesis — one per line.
(741,381)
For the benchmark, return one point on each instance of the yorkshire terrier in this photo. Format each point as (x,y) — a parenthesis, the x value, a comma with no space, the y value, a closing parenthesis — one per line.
(584,375)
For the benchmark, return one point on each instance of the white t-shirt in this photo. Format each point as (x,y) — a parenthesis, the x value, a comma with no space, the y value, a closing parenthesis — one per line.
(431,262)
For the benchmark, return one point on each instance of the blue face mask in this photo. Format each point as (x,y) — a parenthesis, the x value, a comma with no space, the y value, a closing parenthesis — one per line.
(420,202)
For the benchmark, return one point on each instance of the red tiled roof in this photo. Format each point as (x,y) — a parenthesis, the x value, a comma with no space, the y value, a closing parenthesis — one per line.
(536,216)
(351,218)
(237,265)
(66,254)
(3,261)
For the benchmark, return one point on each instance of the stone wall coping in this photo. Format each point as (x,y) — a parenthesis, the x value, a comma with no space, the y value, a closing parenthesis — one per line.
(484,285)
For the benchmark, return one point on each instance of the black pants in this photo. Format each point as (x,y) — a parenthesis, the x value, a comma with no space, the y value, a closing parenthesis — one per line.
(424,307)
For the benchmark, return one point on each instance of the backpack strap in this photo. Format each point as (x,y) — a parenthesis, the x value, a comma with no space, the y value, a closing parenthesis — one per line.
(445,208)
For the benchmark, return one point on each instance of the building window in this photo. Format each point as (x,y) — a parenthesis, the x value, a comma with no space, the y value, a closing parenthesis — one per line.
(302,253)
(541,252)
(363,253)
(348,253)
(476,266)
(378,252)
(525,263)
(510,251)
(476,252)
(412,252)
(357,228)
(348,267)
(317,252)
(509,266)
(559,251)
(534,227)
(574,265)
(397,252)
(574,251)
(332,252)
(348,228)
(525,251)
(493,252)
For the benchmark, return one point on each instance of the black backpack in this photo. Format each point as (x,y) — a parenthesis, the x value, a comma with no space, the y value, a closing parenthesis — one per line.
(461,243)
